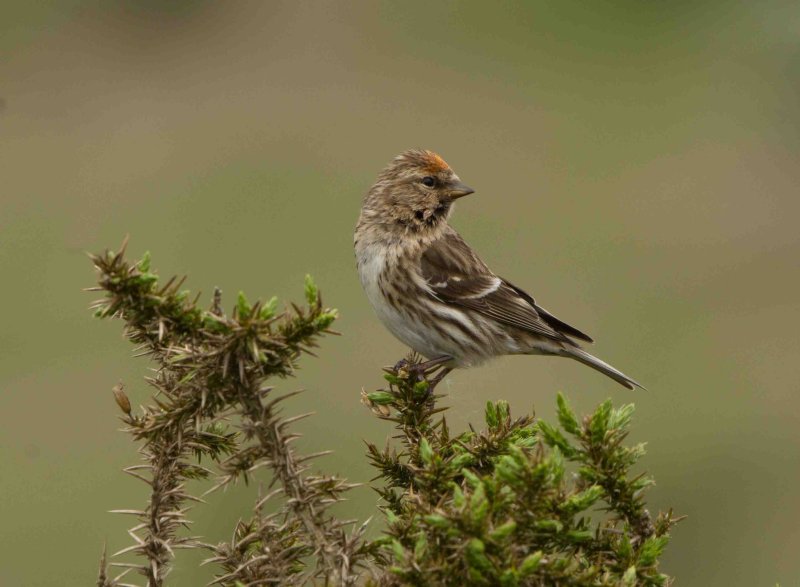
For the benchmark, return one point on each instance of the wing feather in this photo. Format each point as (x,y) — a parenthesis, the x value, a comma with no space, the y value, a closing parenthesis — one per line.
(455,274)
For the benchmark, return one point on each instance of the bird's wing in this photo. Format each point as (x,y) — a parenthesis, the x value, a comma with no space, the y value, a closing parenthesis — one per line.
(455,274)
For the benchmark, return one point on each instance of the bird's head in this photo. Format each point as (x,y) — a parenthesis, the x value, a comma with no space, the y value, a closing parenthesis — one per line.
(416,191)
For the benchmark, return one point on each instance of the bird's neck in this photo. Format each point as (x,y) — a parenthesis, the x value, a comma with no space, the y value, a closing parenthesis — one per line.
(376,227)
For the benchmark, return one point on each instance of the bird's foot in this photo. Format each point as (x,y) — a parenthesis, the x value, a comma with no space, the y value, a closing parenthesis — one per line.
(402,364)
(423,371)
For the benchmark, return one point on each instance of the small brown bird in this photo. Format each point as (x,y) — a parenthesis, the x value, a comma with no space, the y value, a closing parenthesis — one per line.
(433,292)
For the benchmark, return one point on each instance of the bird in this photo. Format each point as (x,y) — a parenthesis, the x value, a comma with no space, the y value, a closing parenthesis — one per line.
(433,292)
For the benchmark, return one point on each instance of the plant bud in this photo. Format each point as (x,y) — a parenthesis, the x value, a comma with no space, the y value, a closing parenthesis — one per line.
(122,399)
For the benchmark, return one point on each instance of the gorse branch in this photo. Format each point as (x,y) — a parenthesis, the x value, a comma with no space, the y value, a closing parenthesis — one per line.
(209,367)
(267,550)
(102,575)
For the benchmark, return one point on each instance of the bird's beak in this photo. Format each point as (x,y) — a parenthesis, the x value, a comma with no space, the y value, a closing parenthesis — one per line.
(459,190)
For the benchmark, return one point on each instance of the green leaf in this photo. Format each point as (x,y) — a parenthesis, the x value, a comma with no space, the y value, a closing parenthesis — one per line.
(147,280)
(144,263)
(625,549)
(555,465)
(425,451)
(325,319)
(491,415)
(549,525)
(420,546)
(269,308)
(598,425)
(458,497)
(471,478)
(437,521)
(312,291)
(479,505)
(398,550)
(531,563)
(582,500)
(504,531)
(510,578)
(553,437)
(651,549)
(642,483)
(393,379)
(381,397)
(461,461)
(503,410)
(421,388)
(566,416)
(509,470)
(243,307)
(621,417)
(629,578)
(476,558)
(580,535)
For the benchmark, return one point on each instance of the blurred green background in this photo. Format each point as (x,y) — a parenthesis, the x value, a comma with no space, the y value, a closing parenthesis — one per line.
(636,168)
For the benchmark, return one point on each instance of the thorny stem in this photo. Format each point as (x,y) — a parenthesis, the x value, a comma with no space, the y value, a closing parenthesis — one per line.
(102,573)
(164,484)
(303,499)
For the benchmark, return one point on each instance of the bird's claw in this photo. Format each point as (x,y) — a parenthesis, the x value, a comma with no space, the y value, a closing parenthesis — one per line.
(418,371)
(401,364)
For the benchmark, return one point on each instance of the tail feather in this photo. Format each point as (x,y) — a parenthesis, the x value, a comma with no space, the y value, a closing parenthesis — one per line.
(604,368)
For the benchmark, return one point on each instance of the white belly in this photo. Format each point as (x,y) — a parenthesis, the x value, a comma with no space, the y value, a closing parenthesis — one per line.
(410,327)
(372,263)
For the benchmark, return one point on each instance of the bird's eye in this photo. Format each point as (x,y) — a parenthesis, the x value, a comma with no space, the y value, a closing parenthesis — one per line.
(429,181)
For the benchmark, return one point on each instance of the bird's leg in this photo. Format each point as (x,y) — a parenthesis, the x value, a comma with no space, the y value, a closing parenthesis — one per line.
(433,363)
(422,370)
(439,376)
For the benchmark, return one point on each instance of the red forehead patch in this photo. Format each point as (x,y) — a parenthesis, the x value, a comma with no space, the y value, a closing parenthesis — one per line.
(434,163)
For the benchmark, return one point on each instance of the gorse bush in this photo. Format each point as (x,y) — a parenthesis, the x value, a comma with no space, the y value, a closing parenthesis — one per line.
(497,507)
(520,502)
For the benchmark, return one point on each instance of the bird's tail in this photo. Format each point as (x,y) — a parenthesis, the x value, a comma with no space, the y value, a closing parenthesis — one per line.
(604,368)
